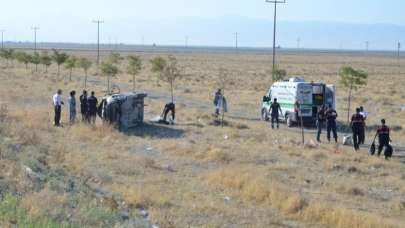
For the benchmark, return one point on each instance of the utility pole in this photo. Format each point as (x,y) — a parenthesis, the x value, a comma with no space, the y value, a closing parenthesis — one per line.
(399,50)
(98,22)
(2,38)
(367,46)
(186,42)
(274,31)
(298,43)
(236,41)
(35,38)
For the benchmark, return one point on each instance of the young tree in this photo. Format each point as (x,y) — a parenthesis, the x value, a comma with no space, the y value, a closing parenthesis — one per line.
(352,79)
(224,79)
(59,58)
(158,66)
(115,58)
(46,60)
(35,59)
(278,74)
(85,64)
(168,71)
(23,58)
(70,64)
(109,70)
(7,54)
(134,67)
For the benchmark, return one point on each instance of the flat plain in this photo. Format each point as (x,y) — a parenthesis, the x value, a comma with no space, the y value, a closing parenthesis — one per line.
(195,173)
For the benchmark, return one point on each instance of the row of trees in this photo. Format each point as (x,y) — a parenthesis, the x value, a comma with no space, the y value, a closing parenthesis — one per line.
(166,69)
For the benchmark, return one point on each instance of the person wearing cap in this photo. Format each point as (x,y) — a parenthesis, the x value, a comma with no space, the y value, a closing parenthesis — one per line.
(383,133)
(357,124)
(275,109)
(331,116)
(57,104)
(320,122)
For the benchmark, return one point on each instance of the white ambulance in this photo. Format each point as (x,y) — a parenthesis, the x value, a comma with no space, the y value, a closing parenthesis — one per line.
(297,99)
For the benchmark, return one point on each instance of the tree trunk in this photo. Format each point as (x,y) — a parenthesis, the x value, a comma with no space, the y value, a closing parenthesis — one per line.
(85,79)
(70,74)
(108,84)
(171,89)
(58,74)
(349,103)
(26,66)
(46,69)
(133,82)
(36,67)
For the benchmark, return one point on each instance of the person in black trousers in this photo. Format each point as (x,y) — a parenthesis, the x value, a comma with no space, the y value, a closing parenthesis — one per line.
(169,107)
(320,122)
(84,109)
(274,110)
(383,133)
(57,103)
(92,107)
(331,116)
(357,124)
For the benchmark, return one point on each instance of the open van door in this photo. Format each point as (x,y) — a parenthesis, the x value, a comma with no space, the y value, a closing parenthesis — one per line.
(330,95)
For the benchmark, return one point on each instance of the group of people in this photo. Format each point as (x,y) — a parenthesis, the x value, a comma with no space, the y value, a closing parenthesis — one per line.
(88,107)
(328,115)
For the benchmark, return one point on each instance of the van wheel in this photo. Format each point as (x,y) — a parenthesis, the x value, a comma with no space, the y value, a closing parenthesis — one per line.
(289,121)
(265,115)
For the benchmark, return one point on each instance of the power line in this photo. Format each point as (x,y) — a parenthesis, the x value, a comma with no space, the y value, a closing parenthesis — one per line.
(98,22)
(35,37)
(274,30)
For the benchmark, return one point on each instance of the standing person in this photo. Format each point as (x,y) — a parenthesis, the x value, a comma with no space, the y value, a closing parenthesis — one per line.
(218,99)
(72,107)
(357,125)
(274,110)
(84,108)
(92,105)
(57,103)
(320,121)
(383,133)
(331,116)
(363,131)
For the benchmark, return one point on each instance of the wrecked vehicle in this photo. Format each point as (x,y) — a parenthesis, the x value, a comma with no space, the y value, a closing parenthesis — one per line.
(124,110)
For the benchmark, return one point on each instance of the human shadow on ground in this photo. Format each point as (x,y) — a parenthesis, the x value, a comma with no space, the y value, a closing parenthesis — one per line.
(155,130)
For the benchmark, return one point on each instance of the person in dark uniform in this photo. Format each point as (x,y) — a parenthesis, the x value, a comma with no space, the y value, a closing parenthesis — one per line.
(331,116)
(320,122)
(84,109)
(274,110)
(357,124)
(92,107)
(383,133)
(169,107)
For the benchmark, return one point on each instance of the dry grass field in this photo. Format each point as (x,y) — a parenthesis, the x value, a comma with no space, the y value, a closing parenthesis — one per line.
(197,174)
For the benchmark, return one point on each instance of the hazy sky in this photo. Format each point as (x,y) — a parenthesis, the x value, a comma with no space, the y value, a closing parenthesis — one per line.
(70,20)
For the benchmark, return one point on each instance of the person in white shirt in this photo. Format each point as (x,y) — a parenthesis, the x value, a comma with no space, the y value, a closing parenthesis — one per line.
(57,103)
(363,133)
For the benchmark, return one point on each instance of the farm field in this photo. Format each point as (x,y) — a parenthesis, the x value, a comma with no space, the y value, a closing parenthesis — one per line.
(197,174)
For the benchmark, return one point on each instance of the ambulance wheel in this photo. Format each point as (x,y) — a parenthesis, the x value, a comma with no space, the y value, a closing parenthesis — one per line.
(289,121)
(265,115)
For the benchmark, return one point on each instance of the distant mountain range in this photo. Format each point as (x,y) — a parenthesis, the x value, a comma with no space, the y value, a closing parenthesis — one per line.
(221,32)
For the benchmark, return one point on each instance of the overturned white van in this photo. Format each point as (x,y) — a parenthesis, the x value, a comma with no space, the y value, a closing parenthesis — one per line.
(124,110)
(297,99)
